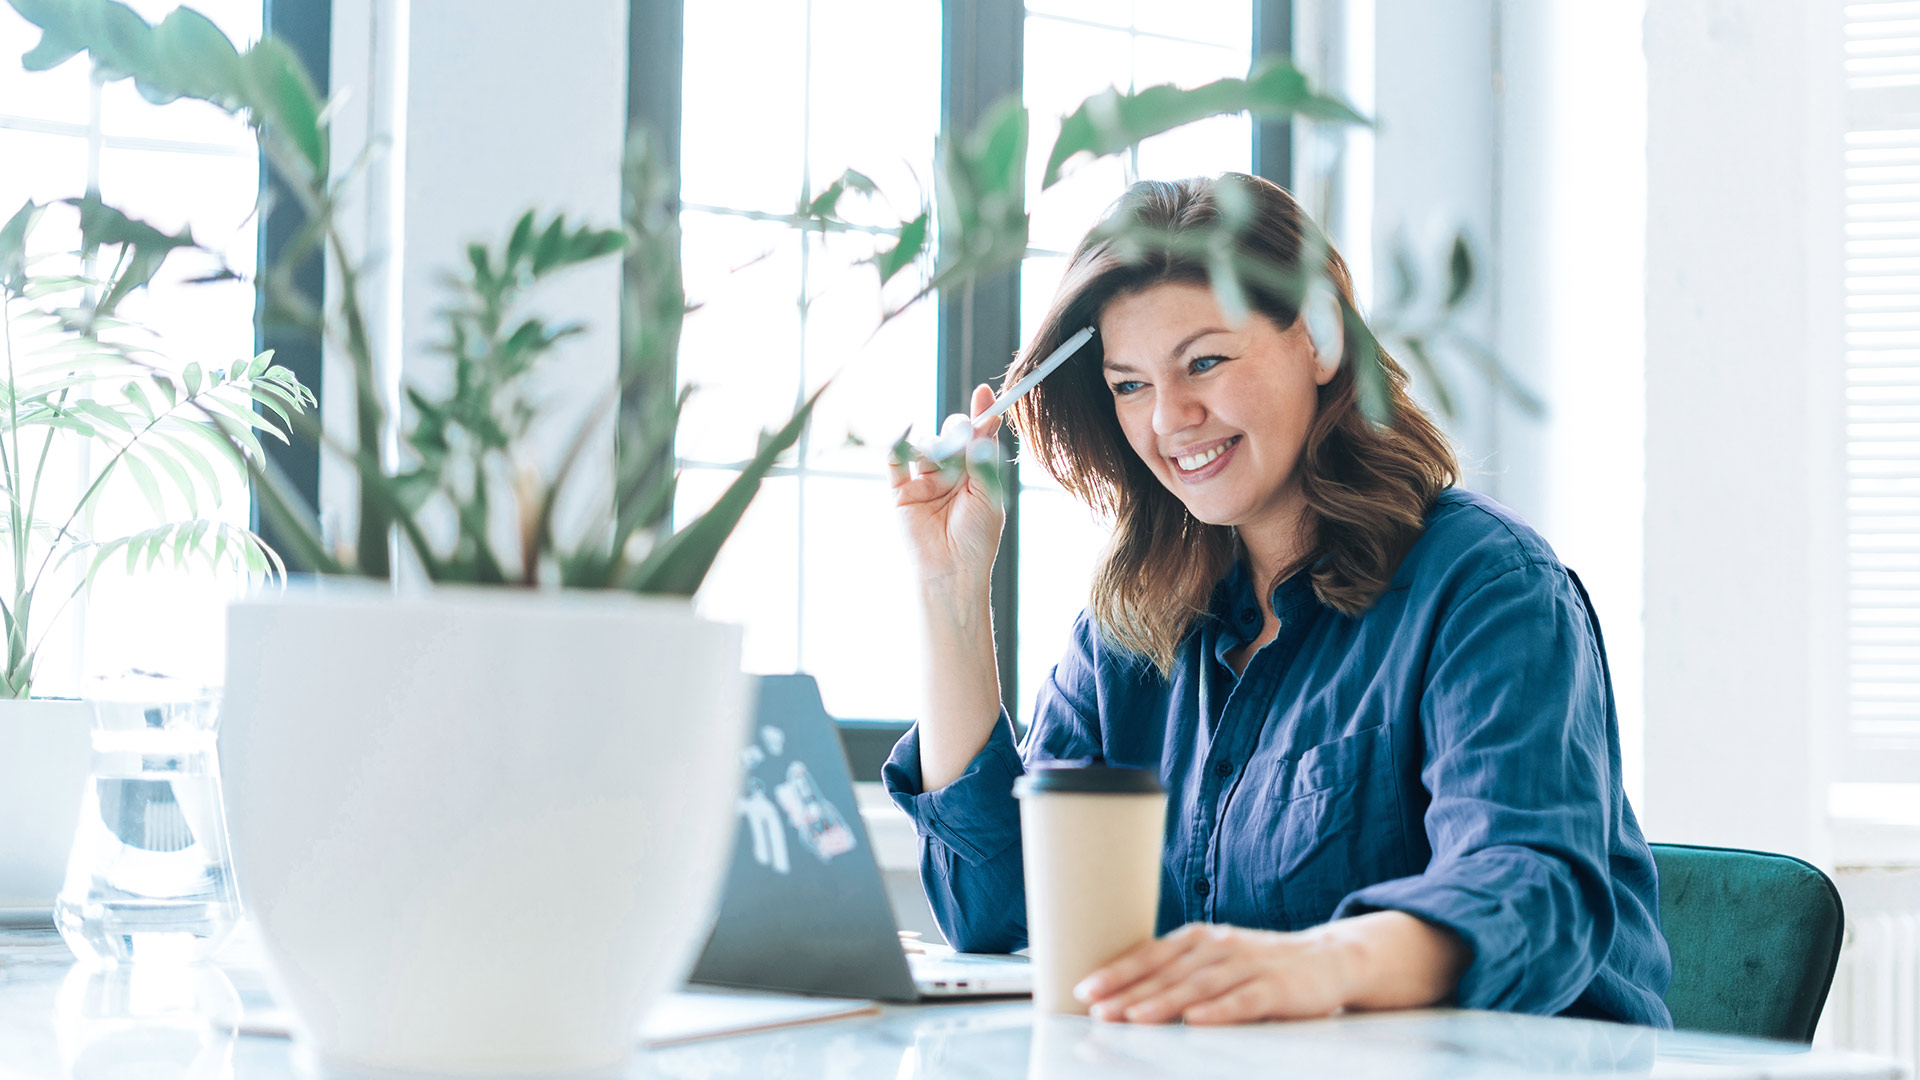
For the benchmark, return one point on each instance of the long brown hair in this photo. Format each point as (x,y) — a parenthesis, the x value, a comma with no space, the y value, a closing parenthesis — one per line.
(1367,486)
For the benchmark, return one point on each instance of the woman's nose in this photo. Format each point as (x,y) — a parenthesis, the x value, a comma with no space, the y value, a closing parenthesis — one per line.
(1175,409)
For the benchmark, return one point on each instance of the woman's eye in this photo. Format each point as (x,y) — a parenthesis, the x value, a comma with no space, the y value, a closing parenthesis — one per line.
(1121,389)
(1204,363)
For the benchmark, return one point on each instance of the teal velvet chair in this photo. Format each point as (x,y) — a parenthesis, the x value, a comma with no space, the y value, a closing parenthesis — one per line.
(1755,937)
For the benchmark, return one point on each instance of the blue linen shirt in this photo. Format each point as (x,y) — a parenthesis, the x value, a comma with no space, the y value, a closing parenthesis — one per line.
(1453,753)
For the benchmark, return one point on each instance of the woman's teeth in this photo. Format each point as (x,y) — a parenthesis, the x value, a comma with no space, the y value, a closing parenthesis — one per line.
(1196,461)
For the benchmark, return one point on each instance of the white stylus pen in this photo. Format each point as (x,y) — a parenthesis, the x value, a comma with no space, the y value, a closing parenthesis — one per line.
(957,429)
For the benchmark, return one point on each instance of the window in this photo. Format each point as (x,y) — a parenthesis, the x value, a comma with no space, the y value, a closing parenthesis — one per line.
(1074,50)
(185,164)
(1882,160)
(818,573)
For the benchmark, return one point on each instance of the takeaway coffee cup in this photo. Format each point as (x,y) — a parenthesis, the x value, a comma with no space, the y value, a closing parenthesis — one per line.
(1091,836)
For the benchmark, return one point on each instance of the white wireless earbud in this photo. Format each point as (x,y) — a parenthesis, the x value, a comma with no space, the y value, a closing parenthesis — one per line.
(1325,329)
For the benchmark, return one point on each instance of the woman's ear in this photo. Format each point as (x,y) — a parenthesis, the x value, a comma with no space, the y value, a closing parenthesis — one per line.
(1321,314)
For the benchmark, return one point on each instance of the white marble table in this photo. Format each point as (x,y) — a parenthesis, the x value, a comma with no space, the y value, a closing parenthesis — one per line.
(48,1032)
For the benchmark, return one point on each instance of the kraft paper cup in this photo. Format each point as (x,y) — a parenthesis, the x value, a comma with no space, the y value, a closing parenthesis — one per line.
(1091,835)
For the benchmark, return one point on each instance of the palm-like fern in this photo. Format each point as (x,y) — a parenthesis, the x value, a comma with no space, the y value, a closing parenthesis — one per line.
(74,376)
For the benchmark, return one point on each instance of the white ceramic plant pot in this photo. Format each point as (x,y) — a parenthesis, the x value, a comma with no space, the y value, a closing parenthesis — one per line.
(480,831)
(45,752)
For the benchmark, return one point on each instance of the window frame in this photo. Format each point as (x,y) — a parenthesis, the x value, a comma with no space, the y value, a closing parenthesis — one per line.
(306,26)
(982,60)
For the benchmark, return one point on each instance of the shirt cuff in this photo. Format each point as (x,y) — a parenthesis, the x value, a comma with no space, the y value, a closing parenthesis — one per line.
(1492,930)
(976,816)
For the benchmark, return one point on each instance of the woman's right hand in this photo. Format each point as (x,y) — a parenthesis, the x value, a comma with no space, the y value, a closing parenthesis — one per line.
(953,519)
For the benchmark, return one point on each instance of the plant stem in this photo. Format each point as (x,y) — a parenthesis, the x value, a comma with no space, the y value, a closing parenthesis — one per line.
(21,531)
(369,416)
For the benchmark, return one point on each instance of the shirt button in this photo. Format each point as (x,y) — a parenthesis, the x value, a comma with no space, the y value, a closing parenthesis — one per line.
(1200,888)
(1223,770)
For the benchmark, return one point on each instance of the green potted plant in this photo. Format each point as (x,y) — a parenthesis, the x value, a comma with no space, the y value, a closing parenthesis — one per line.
(479,823)
(79,378)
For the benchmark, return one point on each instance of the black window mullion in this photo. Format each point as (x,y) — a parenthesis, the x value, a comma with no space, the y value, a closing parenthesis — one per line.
(1273,139)
(656,46)
(983,53)
(307,27)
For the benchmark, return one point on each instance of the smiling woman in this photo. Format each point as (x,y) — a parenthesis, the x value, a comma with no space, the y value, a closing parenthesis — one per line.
(1262,392)
(1380,706)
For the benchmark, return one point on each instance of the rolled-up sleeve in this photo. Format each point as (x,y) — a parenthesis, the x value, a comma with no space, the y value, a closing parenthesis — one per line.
(1515,714)
(969,841)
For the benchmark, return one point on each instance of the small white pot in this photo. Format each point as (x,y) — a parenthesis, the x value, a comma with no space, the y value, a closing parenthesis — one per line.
(479,830)
(45,751)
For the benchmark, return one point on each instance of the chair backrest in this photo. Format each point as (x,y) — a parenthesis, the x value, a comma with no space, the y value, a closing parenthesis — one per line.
(1754,936)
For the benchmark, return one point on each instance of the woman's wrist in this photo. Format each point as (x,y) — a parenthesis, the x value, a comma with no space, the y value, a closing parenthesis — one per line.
(1393,960)
(959,603)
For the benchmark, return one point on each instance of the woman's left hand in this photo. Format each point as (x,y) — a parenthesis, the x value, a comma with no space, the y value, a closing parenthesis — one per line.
(1208,974)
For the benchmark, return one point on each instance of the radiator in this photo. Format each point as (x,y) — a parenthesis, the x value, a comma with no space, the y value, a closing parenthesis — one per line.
(1875,1002)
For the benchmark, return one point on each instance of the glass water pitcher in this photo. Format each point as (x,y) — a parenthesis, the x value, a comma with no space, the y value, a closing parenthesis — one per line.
(150,877)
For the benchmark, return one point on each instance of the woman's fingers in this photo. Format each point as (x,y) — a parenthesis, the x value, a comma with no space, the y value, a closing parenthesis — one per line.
(1140,963)
(1202,984)
(982,400)
(1248,1001)
(1198,946)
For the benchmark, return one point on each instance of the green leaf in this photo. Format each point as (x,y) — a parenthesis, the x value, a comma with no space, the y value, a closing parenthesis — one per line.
(193,58)
(144,478)
(280,92)
(214,406)
(980,196)
(138,399)
(147,247)
(913,241)
(827,202)
(1436,383)
(56,45)
(191,377)
(483,275)
(94,410)
(166,387)
(13,247)
(1459,271)
(157,454)
(553,242)
(1110,121)
(1369,378)
(177,450)
(680,563)
(266,394)
(261,365)
(518,240)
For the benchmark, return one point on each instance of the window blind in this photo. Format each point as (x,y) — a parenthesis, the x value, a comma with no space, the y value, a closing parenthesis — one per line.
(1882,288)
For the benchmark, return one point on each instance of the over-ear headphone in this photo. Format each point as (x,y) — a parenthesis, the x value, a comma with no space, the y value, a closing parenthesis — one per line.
(1326,330)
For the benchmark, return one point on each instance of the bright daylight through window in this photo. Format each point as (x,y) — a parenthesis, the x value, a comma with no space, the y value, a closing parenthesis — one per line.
(752,154)
(184,165)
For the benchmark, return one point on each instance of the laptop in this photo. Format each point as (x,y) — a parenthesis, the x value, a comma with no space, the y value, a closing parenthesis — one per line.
(804,908)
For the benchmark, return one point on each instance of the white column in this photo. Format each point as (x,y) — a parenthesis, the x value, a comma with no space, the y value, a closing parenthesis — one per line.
(477,113)
(1572,258)
(1744,560)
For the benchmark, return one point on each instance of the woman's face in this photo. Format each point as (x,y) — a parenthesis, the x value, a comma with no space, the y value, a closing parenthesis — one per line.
(1219,413)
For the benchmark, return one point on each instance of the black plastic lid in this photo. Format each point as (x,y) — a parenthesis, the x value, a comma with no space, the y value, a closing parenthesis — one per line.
(1094,777)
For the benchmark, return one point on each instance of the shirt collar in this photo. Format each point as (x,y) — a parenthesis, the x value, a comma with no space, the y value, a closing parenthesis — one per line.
(1237,607)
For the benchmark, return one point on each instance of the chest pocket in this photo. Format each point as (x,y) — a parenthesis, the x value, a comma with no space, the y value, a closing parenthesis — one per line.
(1335,812)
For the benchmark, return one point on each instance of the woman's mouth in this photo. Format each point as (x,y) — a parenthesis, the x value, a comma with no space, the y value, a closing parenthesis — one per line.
(1201,465)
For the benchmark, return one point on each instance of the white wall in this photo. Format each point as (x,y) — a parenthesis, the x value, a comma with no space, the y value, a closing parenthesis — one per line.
(1744,566)
(477,113)
(1523,121)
